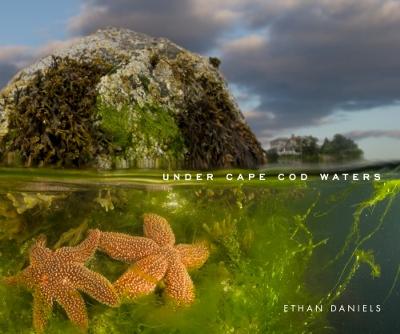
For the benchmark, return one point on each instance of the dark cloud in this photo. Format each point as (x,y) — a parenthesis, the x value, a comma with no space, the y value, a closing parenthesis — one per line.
(302,60)
(358,135)
(316,57)
(11,59)
(195,24)
(6,73)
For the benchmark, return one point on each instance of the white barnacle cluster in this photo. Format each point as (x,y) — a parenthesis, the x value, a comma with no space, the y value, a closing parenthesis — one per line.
(124,86)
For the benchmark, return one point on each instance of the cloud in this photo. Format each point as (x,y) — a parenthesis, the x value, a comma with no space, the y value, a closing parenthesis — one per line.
(247,44)
(195,24)
(309,59)
(303,59)
(13,58)
(7,70)
(359,135)
(48,48)
(15,53)
(298,61)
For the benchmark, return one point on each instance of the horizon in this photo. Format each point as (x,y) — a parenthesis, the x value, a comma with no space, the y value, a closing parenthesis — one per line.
(316,68)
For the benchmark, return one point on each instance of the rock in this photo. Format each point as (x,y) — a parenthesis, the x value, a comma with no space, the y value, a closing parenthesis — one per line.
(118,98)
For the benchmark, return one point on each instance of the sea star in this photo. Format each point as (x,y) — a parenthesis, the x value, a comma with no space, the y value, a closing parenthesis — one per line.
(155,257)
(58,275)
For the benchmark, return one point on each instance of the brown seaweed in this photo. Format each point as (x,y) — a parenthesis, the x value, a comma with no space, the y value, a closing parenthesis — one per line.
(215,135)
(52,120)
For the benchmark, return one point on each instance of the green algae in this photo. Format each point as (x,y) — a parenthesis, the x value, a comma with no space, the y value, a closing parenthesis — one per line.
(116,124)
(384,193)
(261,252)
(142,133)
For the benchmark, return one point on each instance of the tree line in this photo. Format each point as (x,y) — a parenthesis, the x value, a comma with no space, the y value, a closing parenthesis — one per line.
(306,148)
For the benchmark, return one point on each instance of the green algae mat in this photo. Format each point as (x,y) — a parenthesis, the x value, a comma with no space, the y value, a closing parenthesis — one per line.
(233,256)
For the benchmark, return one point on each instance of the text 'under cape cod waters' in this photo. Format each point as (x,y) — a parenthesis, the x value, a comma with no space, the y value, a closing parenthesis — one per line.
(266,177)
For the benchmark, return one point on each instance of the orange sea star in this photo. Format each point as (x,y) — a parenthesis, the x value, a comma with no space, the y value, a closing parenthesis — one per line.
(155,257)
(58,275)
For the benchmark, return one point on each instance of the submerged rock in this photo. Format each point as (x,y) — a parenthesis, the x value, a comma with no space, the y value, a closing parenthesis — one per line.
(120,99)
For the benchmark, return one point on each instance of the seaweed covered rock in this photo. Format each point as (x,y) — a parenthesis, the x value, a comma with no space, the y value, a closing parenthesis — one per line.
(123,99)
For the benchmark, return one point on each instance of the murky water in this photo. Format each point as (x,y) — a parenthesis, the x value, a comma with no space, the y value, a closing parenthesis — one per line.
(272,244)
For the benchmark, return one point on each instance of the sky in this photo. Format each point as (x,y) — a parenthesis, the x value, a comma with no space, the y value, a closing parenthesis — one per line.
(315,67)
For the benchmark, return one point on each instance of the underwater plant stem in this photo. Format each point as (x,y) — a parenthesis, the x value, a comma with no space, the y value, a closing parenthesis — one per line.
(396,279)
(361,242)
(300,221)
(387,189)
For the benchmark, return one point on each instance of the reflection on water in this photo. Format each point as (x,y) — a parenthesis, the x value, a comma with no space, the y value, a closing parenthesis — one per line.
(272,244)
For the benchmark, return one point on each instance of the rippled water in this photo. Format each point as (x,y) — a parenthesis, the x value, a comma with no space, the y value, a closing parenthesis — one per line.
(272,244)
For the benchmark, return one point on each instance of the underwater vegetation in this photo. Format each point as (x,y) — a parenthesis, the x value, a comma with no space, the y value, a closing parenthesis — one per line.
(357,239)
(266,246)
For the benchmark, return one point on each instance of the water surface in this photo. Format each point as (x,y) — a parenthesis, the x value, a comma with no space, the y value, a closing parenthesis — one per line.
(272,244)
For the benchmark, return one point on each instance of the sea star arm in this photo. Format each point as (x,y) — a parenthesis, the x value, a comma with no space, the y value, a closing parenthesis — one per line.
(73,304)
(179,285)
(38,252)
(14,280)
(42,306)
(94,284)
(142,277)
(193,256)
(84,250)
(25,278)
(158,229)
(124,247)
